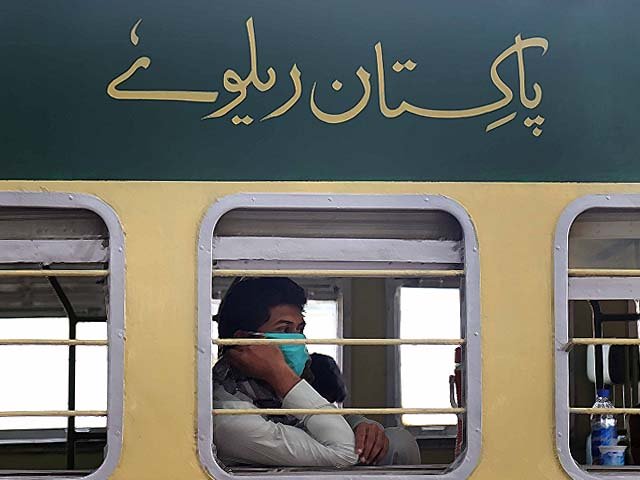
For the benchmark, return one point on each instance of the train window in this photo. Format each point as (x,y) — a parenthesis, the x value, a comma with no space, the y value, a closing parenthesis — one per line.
(354,257)
(61,336)
(597,275)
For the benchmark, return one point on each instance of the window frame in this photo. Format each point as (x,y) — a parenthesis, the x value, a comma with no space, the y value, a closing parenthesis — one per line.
(563,287)
(466,463)
(115,315)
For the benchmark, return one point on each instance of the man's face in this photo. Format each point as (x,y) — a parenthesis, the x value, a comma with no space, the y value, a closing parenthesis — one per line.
(284,319)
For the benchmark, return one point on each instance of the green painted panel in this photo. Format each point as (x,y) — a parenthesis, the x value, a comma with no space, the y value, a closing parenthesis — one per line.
(58,122)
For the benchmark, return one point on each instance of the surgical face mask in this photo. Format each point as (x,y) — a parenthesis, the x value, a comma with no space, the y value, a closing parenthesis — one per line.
(296,356)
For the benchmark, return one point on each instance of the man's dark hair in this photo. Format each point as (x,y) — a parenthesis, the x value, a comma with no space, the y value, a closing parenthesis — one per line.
(247,302)
(327,378)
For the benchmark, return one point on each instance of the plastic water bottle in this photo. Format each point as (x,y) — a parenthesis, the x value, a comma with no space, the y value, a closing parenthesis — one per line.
(603,427)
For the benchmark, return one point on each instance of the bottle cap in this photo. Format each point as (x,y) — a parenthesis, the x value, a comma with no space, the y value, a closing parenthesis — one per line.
(604,392)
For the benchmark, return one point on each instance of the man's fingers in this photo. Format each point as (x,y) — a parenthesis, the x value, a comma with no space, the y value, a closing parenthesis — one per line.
(370,441)
(377,442)
(361,433)
(382,445)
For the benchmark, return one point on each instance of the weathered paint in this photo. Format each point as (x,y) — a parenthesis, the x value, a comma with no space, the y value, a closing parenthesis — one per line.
(515,225)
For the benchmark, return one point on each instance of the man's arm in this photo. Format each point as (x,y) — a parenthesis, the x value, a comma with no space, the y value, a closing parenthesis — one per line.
(355,420)
(327,442)
(371,441)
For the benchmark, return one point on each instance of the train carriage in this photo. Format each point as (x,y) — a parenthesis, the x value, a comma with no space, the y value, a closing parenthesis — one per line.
(453,185)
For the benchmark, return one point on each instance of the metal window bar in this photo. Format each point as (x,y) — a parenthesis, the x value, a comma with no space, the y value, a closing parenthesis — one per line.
(599,341)
(71,371)
(53,342)
(339,341)
(54,273)
(53,413)
(604,272)
(385,273)
(614,411)
(335,411)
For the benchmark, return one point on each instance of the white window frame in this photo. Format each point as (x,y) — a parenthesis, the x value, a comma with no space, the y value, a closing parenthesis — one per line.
(56,251)
(575,288)
(467,462)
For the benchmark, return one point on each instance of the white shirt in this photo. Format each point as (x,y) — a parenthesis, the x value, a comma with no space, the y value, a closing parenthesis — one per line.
(325,440)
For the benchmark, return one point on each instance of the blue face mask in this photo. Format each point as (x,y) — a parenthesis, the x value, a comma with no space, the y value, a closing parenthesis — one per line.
(296,356)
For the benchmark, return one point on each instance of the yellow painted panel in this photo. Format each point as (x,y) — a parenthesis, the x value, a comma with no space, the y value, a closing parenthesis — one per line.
(515,225)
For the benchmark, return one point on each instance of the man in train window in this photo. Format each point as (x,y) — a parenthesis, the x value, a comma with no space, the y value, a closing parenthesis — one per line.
(268,376)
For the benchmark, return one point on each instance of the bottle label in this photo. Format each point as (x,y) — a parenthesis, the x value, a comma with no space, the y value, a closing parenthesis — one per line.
(602,436)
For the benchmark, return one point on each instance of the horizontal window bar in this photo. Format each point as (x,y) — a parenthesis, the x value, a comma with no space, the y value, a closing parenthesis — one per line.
(339,341)
(613,411)
(336,411)
(54,413)
(603,272)
(34,341)
(337,273)
(600,341)
(53,273)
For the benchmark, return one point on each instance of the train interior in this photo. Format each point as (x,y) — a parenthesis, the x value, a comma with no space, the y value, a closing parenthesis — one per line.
(604,308)
(408,376)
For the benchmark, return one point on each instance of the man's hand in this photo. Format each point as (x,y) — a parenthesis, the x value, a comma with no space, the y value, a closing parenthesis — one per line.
(264,362)
(371,443)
